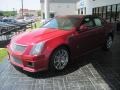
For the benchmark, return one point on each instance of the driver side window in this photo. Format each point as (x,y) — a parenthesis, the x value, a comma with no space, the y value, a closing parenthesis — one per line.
(88,22)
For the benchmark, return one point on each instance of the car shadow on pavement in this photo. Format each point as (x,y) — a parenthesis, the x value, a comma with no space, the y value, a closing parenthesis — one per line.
(50,73)
(102,62)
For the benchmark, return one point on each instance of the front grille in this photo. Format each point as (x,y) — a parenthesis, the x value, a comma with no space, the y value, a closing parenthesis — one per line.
(18,48)
(16,60)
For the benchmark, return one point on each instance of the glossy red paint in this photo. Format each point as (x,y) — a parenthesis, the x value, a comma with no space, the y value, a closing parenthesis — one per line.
(78,42)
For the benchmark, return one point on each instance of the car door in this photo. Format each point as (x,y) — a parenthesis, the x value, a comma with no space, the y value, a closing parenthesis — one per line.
(82,41)
(100,31)
(87,39)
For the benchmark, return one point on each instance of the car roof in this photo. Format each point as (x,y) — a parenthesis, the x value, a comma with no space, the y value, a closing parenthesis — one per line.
(78,16)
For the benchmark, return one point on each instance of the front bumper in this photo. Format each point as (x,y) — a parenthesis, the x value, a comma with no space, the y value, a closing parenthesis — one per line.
(27,62)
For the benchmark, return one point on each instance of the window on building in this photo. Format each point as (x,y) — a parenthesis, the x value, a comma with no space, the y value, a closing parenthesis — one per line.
(108,13)
(93,11)
(81,11)
(78,11)
(97,11)
(104,12)
(118,12)
(113,13)
(52,15)
(100,11)
(85,10)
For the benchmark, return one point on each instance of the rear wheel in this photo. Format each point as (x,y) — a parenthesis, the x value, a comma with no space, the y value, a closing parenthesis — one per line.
(59,59)
(108,43)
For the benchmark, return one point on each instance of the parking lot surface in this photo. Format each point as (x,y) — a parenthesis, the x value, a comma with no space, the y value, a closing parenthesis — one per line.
(99,70)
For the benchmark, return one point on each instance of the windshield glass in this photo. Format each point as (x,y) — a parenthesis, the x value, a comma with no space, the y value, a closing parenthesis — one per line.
(62,23)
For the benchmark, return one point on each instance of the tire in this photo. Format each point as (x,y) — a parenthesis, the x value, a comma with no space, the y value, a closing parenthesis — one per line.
(108,43)
(59,59)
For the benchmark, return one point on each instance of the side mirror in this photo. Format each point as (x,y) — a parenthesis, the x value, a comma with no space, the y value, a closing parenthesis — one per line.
(83,28)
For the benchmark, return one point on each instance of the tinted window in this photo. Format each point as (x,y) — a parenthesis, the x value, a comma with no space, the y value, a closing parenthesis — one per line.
(51,24)
(62,23)
(88,22)
(98,22)
(5,20)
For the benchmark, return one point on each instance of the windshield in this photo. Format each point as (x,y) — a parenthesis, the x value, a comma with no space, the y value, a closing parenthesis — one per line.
(62,23)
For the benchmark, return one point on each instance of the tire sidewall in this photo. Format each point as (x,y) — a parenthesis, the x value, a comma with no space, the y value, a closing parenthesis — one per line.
(106,43)
(51,62)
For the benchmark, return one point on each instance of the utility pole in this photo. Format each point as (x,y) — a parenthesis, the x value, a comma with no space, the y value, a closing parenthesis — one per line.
(46,8)
(13,12)
(40,9)
(22,7)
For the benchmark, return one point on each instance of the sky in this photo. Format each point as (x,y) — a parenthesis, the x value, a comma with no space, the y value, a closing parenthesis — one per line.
(8,5)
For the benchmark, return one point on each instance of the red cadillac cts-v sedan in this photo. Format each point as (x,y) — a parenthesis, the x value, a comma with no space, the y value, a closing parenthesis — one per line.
(58,41)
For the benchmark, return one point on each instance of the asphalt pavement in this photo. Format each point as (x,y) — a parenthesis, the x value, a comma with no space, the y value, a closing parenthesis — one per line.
(98,70)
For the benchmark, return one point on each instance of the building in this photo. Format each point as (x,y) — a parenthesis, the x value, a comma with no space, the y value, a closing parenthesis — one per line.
(59,7)
(27,12)
(86,6)
(107,9)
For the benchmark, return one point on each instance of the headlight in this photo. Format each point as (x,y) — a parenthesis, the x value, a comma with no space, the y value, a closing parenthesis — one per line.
(37,48)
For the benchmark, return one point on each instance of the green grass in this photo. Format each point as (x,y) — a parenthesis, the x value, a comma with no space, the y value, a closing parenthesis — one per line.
(3,54)
(38,24)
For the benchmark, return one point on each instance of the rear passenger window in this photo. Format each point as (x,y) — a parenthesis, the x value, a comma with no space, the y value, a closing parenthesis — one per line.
(88,22)
(98,22)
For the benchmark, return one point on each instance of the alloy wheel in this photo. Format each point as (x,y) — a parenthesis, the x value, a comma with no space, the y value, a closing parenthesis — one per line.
(61,58)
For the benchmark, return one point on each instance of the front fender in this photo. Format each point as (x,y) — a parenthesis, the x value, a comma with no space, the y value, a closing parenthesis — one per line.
(51,45)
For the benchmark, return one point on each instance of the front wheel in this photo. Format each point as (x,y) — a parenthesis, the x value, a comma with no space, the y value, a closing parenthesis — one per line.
(59,59)
(108,43)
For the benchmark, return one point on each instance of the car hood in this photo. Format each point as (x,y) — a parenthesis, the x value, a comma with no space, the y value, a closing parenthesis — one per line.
(38,35)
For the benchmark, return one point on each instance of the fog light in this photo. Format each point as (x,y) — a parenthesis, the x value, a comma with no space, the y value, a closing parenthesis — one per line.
(31,64)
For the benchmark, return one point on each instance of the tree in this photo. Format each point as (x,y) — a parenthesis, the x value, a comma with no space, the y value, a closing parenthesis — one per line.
(1,13)
(8,13)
